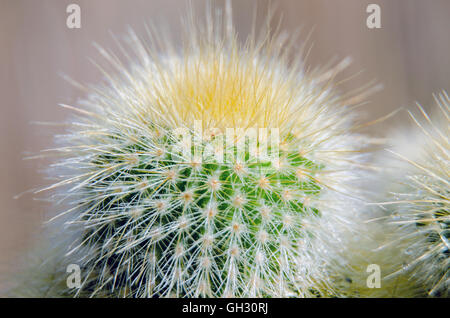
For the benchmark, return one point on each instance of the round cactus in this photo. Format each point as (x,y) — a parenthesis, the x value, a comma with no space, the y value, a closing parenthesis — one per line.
(405,236)
(224,170)
(422,205)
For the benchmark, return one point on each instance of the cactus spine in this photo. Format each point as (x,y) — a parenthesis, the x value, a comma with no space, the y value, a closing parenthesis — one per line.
(422,205)
(159,216)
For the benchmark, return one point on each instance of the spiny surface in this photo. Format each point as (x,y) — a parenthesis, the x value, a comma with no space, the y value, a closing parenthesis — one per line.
(157,221)
(423,201)
(199,229)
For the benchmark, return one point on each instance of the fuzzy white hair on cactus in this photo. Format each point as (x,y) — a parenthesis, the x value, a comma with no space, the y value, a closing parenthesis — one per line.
(158,217)
(422,205)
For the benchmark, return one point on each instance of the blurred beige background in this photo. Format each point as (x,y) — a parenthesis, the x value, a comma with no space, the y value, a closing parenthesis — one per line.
(409,55)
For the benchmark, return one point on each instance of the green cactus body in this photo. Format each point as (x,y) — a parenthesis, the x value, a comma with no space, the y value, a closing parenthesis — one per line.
(169,225)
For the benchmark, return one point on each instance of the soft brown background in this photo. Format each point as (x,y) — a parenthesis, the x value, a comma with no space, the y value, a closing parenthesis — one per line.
(409,56)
